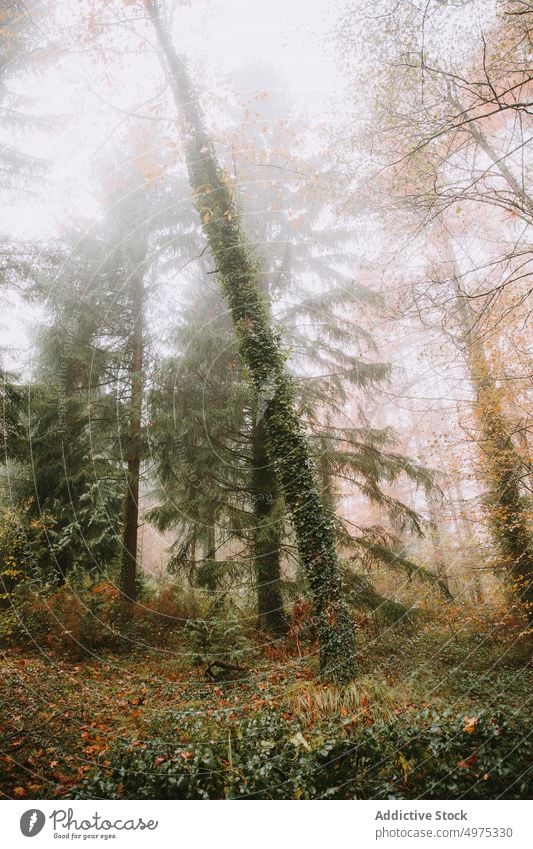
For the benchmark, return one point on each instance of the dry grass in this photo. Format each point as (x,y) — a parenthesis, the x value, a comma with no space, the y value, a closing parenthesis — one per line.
(369,696)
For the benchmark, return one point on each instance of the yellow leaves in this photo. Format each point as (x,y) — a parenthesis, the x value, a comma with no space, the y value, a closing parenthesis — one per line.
(12,573)
(470,724)
(298,740)
(206,217)
(405,764)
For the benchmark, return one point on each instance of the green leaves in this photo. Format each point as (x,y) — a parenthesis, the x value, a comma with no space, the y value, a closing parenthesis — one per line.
(218,641)
(418,755)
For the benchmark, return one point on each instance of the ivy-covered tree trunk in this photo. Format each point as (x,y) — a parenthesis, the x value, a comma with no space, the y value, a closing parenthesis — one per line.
(131,518)
(501,466)
(267,537)
(260,351)
(326,479)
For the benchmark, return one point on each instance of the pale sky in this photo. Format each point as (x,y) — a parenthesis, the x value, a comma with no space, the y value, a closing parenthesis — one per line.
(86,99)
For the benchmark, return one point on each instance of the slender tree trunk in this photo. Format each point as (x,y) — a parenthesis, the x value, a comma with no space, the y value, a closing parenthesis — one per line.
(64,564)
(433,504)
(267,537)
(260,351)
(192,568)
(464,535)
(208,576)
(436,543)
(131,523)
(455,499)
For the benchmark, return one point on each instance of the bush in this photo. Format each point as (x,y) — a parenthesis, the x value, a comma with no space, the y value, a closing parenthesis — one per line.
(74,624)
(70,624)
(419,755)
(217,641)
(168,610)
(23,550)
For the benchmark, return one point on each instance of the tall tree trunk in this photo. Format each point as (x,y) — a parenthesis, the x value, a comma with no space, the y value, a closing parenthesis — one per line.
(267,537)
(64,565)
(433,507)
(259,348)
(436,538)
(131,520)
(207,576)
(463,533)
(192,567)
(500,462)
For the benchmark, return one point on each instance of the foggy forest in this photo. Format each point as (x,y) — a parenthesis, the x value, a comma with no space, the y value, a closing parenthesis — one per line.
(266,410)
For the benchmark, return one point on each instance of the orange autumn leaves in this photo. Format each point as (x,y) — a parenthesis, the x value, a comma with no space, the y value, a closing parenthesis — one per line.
(470,724)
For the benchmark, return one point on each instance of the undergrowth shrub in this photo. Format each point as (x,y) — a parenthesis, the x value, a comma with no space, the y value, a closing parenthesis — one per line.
(70,624)
(217,641)
(166,612)
(75,624)
(427,755)
(23,550)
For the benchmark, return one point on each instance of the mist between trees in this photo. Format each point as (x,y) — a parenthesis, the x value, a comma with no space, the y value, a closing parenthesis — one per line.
(266,388)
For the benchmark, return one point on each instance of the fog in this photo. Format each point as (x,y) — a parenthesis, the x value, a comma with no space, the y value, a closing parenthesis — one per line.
(266,333)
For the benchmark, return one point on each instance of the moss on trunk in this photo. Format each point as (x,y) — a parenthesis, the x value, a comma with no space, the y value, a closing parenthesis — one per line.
(267,537)
(260,350)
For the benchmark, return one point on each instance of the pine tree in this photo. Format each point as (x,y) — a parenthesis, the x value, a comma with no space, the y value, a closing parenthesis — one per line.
(18,172)
(208,443)
(324,332)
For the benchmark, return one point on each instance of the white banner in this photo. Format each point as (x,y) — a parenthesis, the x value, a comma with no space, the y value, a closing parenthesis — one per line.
(251,825)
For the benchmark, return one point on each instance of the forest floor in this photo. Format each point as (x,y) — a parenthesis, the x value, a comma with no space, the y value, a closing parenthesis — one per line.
(61,720)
